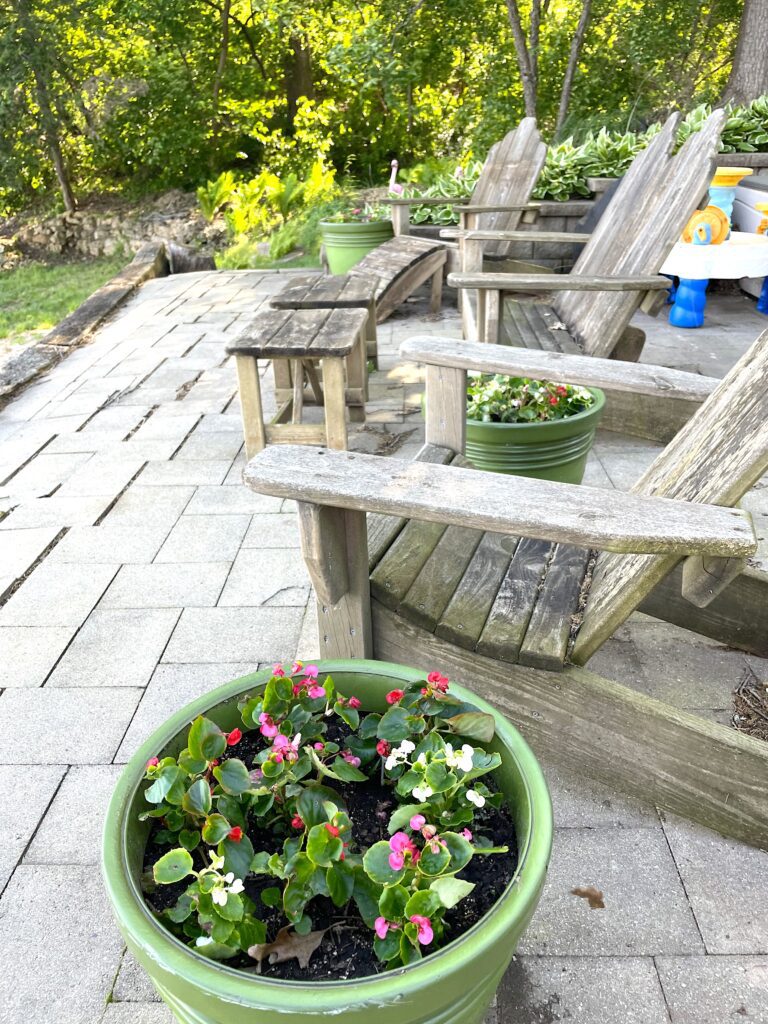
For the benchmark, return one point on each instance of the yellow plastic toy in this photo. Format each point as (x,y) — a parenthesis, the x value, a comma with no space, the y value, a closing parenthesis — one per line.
(709,226)
(762,227)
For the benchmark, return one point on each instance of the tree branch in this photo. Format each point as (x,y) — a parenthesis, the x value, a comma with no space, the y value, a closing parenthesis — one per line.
(573,60)
(523,58)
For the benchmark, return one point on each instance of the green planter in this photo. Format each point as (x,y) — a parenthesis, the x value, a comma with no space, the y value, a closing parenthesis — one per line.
(346,244)
(556,450)
(453,986)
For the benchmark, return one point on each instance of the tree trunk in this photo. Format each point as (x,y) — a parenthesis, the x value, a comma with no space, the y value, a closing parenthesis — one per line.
(223,53)
(298,75)
(749,75)
(527,69)
(573,60)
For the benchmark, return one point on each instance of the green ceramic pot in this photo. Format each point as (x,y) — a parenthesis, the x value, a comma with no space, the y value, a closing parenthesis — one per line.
(556,450)
(452,986)
(346,244)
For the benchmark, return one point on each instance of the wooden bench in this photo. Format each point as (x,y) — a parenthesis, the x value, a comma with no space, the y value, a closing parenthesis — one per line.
(342,291)
(299,340)
(400,266)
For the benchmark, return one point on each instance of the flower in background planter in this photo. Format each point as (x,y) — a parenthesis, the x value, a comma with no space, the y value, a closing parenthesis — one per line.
(424,925)
(499,399)
(395,696)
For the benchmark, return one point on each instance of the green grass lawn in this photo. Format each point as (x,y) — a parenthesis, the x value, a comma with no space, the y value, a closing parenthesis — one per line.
(36,296)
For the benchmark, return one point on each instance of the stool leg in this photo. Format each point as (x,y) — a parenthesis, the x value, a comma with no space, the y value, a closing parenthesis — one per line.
(357,378)
(335,405)
(250,404)
(371,337)
(297,407)
(282,371)
(436,294)
(314,381)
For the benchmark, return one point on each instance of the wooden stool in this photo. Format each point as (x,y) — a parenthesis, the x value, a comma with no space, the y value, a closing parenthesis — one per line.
(298,340)
(346,291)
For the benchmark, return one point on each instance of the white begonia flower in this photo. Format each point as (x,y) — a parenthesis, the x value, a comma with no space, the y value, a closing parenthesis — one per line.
(399,754)
(475,798)
(406,747)
(459,758)
(217,862)
(236,887)
(229,877)
(421,759)
(203,940)
(219,897)
(422,793)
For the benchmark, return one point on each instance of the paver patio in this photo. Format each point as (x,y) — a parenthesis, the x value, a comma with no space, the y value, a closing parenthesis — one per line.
(137,572)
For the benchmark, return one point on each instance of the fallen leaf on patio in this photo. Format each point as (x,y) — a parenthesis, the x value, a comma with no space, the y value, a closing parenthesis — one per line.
(288,946)
(592,895)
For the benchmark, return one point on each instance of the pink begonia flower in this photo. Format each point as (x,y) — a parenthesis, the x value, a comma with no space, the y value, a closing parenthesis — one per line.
(278,670)
(296,689)
(297,666)
(319,746)
(467,835)
(266,726)
(153,762)
(417,822)
(350,758)
(400,844)
(316,691)
(429,831)
(282,747)
(311,671)
(355,702)
(439,682)
(394,696)
(382,926)
(424,925)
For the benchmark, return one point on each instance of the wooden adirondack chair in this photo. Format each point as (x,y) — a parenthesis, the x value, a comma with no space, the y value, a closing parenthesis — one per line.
(510,584)
(502,193)
(617,271)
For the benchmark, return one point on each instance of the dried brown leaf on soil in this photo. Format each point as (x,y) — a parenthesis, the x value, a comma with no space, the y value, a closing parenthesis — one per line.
(592,895)
(288,945)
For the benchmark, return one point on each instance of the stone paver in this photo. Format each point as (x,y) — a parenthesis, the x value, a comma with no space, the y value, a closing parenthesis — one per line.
(29,790)
(168,578)
(99,654)
(70,832)
(57,595)
(204,539)
(28,653)
(646,911)
(726,883)
(59,947)
(218,634)
(163,585)
(585,990)
(175,686)
(273,576)
(715,989)
(64,726)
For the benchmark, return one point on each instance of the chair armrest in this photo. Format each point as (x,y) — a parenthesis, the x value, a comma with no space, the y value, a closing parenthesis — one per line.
(498,207)
(523,507)
(640,378)
(525,236)
(422,201)
(557,282)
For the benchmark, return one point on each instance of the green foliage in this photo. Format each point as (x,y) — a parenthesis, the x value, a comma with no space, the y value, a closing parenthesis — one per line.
(499,399)
(214,194)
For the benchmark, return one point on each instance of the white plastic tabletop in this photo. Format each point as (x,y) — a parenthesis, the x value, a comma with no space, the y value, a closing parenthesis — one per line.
(741,255)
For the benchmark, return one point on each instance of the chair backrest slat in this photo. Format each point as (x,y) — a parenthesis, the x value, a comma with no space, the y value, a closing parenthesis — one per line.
(716,457)
(643,221)
(509,174)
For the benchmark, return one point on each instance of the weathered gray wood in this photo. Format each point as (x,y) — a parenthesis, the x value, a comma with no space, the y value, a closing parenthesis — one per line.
(251,411)
(401,220)
(465,616)
(549,630)
(297,404)
(510,613)
(319,291)
(394,575)
(527,236)
(400,265)
(335,403)
(345,626)
(324,547)
(586,516)
(559,282)
(282,334)
(446,402)
(495,208)
(382,529)
(688,765)
(642,222)
(717,456)
(294,433)
(431,591)
(704,578)
(641,378)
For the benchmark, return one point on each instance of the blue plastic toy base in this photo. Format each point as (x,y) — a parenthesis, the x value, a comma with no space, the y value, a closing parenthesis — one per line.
(690,300)
(762,302)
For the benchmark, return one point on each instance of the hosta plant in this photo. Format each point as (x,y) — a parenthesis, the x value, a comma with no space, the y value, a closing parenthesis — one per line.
(253,826)
(500,399)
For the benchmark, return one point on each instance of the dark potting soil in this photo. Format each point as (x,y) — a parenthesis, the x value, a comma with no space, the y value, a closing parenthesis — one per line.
(346,950)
